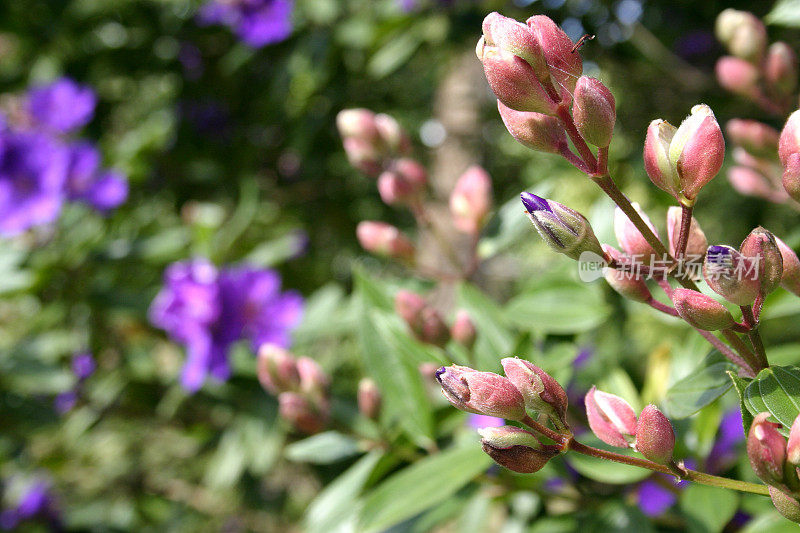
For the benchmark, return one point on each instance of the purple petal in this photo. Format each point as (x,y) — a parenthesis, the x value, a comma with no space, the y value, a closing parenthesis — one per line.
(62,105)
(534,203)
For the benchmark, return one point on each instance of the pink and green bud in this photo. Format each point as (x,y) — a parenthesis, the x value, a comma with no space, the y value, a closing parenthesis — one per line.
(697,150)
(542,393)
(394,138)
(313,381)
(628,236)
(631,285)
(434,331)
(471,200)
(483,393)
(790,280)
(516,449)
(507,34)
(793,445)
(277,369)
(785,504)
(701,311)
(737,76)
(766,449)
(463,329)
(409,306)
(594,111)
(755,137)
(363,155)
(565,65)
(369,398)
(751,182)
(742,33)
(403,183)
(358,123)
(791,177)
(537,131)
(563,229)
(761,244)
(657,164)
(611,418)
(655,438)
(696,244)
(789,142)
(298,411)
(780,68)
(731,275)
(384,239)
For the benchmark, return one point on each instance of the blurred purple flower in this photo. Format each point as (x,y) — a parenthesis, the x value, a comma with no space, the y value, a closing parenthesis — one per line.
(653,498)
(86,181)
(62,106)
(64,402)
(476,421)
(208,310)
(32,175)
(729,437)
(583,357)
(83,365)
(36,502)
(256,22)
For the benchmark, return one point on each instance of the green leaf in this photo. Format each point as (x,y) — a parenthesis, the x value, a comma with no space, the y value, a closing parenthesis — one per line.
(420,486)
(617,517)
(702,386)
(606,471)
(777,390)
(785,13)
(323,448)
(335,505)
(495,338)
(708,508)
(559,307)
(740,384)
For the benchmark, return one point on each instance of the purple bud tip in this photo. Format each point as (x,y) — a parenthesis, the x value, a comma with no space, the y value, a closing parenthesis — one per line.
(718,254)
(439,372)
(534,203)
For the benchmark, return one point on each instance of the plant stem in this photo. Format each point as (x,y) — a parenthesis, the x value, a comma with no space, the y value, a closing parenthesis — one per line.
(742,348)
(559,438)
(575,137)
(686,224)
(664,308)
(691,475)
(755,336)
(725,350)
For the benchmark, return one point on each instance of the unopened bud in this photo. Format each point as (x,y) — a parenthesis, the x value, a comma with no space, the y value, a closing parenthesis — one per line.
(737,75)
(697,150)
(656,157)
(594,111)
(766,449)
(392,134)
(384,239)
(696,244)
(277,369)
(481,392)
(300,412)
(516,449)
(434,330)
(395,189)
(655,438)
(611,418)
(791,176)
(409,306)
(517,38)
(513,80)
(369,398)
(790,280)
(761,244)
(535,130)
(565,65)
(793,445)
(789,142)
(363,155)
(563,229)
(731,275)
(785,504)
(358,123)
(631,285)
(628,236)
(742,33)
(463,329)
(542,393)
(751,182)
(755,137)
(313,381)
(471,200)
(780,68)
(701,311)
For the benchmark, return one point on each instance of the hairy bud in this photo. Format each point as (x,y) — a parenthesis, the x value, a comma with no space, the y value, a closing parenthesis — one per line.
(789,142)
(565,65)
(594,111)
(751,182)
(463,329)
(696,244)
(363,155)
(761,244)
(537,131)
(277,369)
(359,123)
(790,280)
(301,413)
(434,330)
(742,33)
(566,231)
(369,398)
(394,138)
(697,150)
(481,392)
(701,311)
(630,239)
(611,418)
(384,239)
(791,176)
(780,68)
(516,449)
(766,449)
(731,275)
(655,438)
(541,392)
(409,306)
(737,75)
(756,137)
(793,445)
(657,164)
(629,284)
(785,504)
(471,200)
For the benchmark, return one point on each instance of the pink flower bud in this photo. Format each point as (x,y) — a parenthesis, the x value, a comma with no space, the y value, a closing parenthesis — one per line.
(395,189)
(471,200)
(780,68)
(790,280)
(761,244)
(793,445)
(594,111)
(630,240)
(657,164)
(277,369)
(789,142)
(751,182)
(463,329)
(409,306)
(301,413)
(697,150)
(481,392)
(542,393)
(515,37)
(791,176)
(363,155)
(631,285)
(369,398)
(384,239)
(412,172)
(434,330)
(785,504)
(358,123)
(565,65)
(516,449)
(737,75)
(563,229)
(611,418)
(701,311)
(755,137)
(766,449)
(696,244)
(655,438)
(731,275)
(742,33)
(535,130)
(313,381)
(392,134)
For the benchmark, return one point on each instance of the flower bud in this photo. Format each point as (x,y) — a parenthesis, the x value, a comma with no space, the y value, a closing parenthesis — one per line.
(760,244)
(392,134)
(780,68)
(630,240)
(731,275)
(742,33)
(565,65)
(611,418)
(594,111)
(751,182)
(656,157)
(463,329)
(276,369)
(793,445)
(517,38)
(516,449)
(384,239)
(395,189)
(542,393)
(369,398)
(434,330)
(409,306)
(785,504)
(471,200)
(358,123)
(300,413)
(412,172)
(791,176)
(701,311)
(363,155)
(535,130)
(631,285)
(755,137)
(790,280)
(655,438)
(737,75)
(789,142)
(566,231)
(766,449)
(313,381)
(696,244)
(481,392)
(697,150)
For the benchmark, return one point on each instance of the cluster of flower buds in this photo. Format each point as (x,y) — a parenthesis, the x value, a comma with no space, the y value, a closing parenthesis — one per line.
(300,385)
(775,461)
(613,421)
(756,172)
(427,324)
(525,389)
(371,140)
(369,399)
(766,75)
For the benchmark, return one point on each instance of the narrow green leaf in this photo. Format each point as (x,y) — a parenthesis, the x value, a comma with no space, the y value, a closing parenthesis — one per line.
(702,386)
(740,384)
(777,390)
(495,337)
(708,508)
(323,448)
(785,13)
(565,307)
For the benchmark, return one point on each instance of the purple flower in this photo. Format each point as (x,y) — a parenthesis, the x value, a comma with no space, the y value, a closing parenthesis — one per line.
(32,175)
(653,498)
(476,421)
(83,365)
(62,106)
(64,402)
(208,310)
(36,501)
(86,181)
(256,22)
(729,437)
